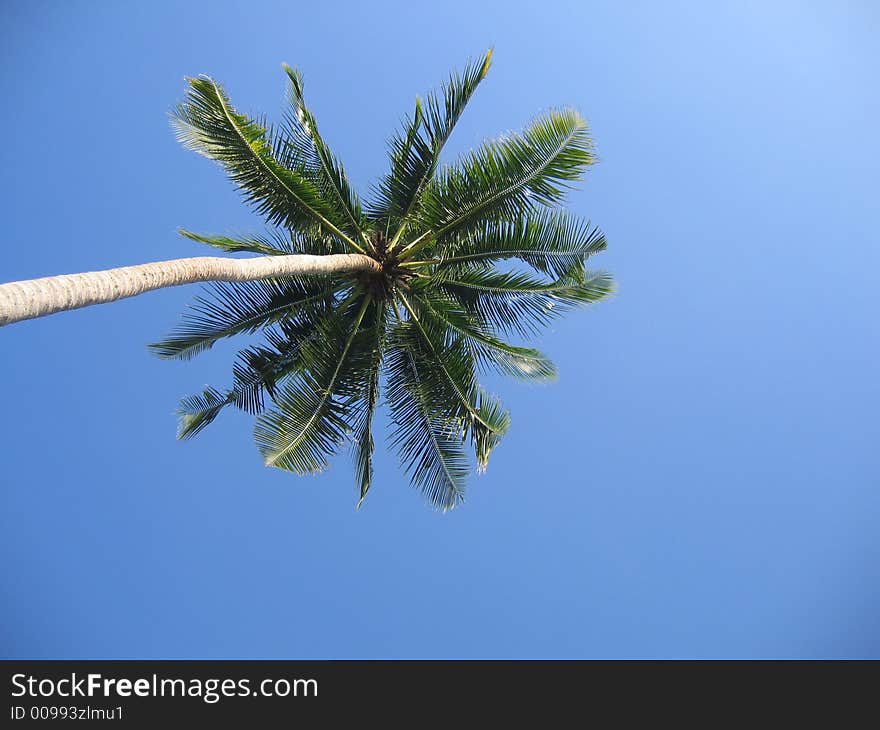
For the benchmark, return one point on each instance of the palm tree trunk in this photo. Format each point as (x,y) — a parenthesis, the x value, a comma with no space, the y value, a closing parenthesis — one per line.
(38,297)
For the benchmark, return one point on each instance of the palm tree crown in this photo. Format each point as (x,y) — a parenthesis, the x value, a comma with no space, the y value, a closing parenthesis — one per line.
(431,318)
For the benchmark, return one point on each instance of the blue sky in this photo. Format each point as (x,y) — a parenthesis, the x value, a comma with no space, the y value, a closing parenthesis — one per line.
(703,479)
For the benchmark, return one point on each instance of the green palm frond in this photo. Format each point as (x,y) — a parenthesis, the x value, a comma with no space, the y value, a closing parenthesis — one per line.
(450,362)
(427,437)
(236,308)
(207,123)
(488,350)
(251,244)
(365,406)
(256,373)
(466,256)
(261,367)
(509,175)
(517,302)
(310,419)
(550,241)
(299,143)
(389,194)
(198,411)
(415,153)
(274,243)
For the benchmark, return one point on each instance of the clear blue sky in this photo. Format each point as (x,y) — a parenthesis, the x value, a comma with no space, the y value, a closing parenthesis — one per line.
(702,481)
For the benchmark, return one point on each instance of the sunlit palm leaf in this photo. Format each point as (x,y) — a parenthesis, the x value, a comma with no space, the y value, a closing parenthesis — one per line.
(198,411)
(207,123)
(552,242)
(509,175)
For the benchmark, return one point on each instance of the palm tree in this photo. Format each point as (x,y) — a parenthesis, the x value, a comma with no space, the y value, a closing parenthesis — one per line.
(409,283)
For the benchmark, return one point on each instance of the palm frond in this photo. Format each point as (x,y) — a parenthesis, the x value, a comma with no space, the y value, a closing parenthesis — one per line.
(493,413)
(207,123)
(257,370)
(365,406)
(517,302)
(310,417)
(415,151)
(507,176)
(244,307)
(387,207)
(260,367)
(427,438)
(452,366)
(300,143)
(271,245)
(550,241)
(489,351)
(198,411)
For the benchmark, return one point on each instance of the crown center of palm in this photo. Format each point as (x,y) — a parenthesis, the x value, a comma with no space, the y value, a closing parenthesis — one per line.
(382,284)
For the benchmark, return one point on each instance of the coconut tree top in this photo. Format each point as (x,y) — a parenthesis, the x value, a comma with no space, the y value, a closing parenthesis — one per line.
(406,296)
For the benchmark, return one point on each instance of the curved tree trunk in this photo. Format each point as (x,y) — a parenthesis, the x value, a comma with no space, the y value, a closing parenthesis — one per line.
(38,297)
